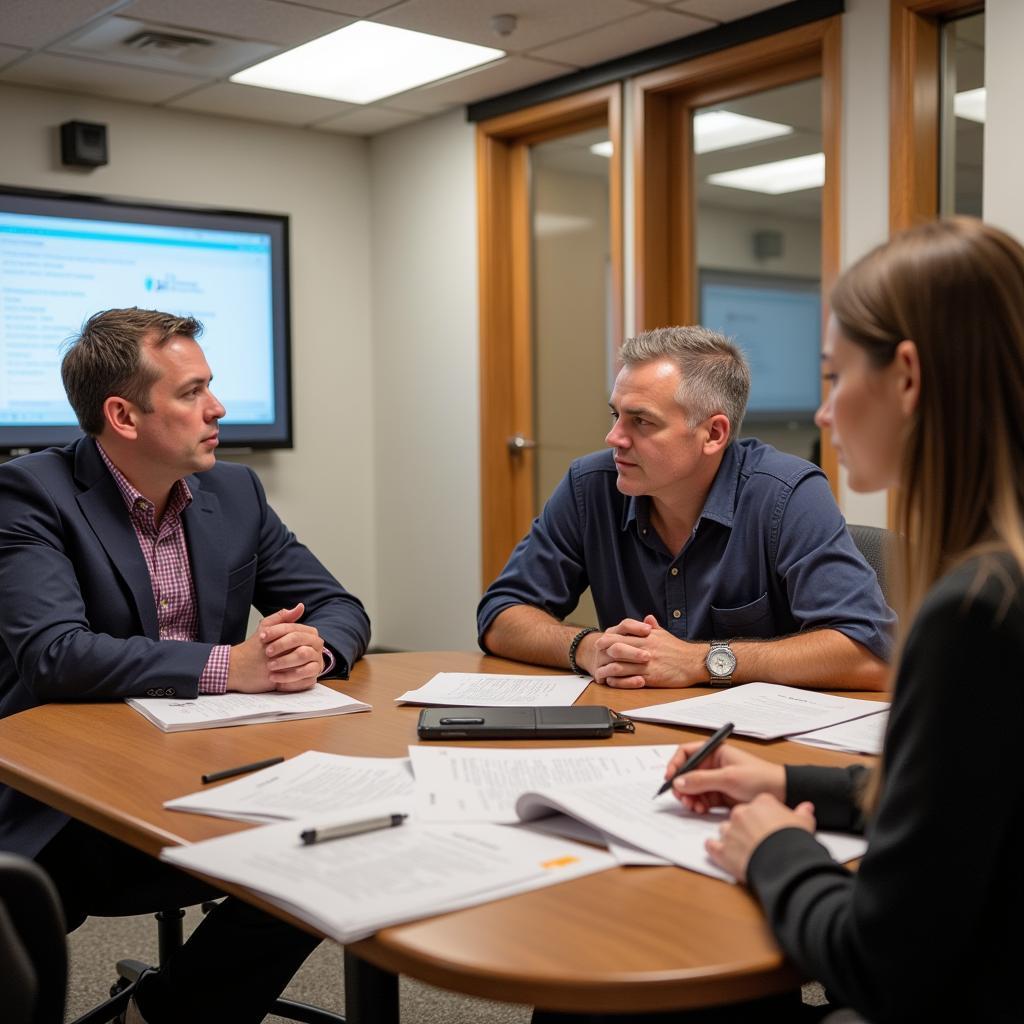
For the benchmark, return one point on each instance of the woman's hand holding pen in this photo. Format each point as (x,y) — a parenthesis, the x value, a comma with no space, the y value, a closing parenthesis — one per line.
(729,776)
(752,787)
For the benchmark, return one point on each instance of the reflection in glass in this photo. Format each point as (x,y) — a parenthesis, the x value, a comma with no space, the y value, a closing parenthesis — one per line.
(758,252)
(573,339)
(963,116)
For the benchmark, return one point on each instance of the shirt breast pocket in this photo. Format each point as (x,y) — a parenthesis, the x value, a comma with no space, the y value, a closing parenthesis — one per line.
(242,576)
(748,620)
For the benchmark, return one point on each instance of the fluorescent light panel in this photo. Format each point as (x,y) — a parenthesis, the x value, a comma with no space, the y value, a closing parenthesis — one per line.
(364,62)
(793,175)
(970,105)
(722,129)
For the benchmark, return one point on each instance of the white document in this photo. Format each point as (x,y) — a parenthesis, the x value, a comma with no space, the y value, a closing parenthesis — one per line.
(765,711)
(349,888)
(627,811)
(311,783)
(483,783)
(481,690)
(212,712)
(861,736)
(625,854)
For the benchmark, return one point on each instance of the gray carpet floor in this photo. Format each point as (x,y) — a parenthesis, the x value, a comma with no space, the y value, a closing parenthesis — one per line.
(101,942)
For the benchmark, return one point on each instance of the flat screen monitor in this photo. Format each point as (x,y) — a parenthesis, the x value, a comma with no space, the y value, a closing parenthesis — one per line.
(777,323)
(65,257)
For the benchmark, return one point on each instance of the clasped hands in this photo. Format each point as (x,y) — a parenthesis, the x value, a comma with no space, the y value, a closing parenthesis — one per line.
(753,789)
(283,654)
(634,654)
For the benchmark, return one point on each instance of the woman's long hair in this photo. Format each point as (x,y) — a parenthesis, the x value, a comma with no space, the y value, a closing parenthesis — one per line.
(956,289)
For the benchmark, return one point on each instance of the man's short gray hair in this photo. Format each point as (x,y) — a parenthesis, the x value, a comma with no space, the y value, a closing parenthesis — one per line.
(715,374)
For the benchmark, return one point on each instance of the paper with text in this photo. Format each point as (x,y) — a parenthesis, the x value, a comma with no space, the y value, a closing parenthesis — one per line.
(861,736)
(483,783)
(483,690)
(349,888)
(626,810)
(215,711)
(311,783)
(766,711)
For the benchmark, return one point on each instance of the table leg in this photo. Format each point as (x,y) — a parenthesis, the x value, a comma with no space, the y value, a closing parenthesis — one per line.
(371,994)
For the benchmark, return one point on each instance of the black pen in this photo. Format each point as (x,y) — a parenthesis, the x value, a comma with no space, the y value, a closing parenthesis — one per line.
(352,828)
(697,756)
(241,769)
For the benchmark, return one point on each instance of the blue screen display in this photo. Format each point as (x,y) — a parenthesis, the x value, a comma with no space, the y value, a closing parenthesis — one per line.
(777,323)
(62,261)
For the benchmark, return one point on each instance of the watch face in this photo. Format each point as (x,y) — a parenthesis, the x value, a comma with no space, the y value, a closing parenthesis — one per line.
(721,662)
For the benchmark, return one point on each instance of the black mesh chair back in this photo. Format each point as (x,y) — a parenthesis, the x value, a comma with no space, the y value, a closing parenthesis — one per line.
(878,546)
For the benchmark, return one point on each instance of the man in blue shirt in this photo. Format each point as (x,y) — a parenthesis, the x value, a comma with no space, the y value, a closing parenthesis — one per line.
(709,559)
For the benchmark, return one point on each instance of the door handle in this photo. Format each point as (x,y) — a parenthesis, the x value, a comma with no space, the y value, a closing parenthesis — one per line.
(517,444)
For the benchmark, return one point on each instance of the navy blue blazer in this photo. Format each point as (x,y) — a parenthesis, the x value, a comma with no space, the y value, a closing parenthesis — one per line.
(78,619)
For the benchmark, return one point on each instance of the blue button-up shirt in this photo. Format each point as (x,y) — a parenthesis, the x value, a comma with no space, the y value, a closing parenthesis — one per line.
(770,556)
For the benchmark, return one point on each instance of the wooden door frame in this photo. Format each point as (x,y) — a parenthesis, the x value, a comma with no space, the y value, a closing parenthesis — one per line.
(914,115)
(664,187)
(506,303)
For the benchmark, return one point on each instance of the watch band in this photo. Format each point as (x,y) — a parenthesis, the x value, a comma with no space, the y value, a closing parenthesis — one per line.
(575,646)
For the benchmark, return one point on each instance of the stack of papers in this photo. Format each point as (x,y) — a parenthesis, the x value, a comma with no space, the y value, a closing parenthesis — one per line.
(212,712)
(310,784)
(861,736)
(350,888)
(765,711)
(480,690)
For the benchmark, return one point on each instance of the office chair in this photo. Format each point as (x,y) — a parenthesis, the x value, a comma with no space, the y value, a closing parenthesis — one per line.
(170,936)
(878,546)
(33,954)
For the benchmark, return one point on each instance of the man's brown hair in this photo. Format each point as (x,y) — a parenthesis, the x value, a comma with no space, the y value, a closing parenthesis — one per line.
(106,359)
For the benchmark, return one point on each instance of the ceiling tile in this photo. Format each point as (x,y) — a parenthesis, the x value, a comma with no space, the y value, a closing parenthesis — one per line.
(490,80)
(353,8)
(266,20)
(540,21)
(95,78)
(637,33)
(34,23)
(9,53)
(368,121)
(725,10)
(256,104)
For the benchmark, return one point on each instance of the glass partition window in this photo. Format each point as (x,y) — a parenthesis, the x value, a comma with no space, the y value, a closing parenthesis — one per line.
(962,129)
(759,169)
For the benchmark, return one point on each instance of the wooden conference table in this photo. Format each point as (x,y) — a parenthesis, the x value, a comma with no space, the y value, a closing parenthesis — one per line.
(629,939)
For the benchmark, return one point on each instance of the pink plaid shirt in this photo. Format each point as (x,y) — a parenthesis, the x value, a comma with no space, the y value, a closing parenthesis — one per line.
(170,572)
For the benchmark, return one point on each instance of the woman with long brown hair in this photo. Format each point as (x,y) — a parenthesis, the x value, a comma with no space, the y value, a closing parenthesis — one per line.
(925,354)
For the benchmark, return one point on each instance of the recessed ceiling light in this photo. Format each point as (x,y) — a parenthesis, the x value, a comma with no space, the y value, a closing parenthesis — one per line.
(364,62)
(602,149)
(970,105)
(722,129)
(793,175)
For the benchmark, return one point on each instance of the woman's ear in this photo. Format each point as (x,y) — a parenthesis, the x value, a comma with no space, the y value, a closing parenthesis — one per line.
(907,367)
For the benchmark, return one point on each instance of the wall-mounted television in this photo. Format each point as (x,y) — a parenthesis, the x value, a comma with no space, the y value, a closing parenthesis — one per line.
(777,322)
(65,257)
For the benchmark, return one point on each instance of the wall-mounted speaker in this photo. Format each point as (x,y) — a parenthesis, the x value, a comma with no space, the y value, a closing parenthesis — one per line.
(83,144)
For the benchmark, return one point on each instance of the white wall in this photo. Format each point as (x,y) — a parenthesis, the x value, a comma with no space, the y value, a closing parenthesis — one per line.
(324,487)
(1004,142)
(427,424)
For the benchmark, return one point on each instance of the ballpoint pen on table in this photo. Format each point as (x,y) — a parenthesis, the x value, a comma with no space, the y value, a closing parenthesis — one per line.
(351,828)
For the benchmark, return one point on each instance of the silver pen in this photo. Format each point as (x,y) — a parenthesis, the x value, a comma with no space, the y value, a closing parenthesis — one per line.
(351,828)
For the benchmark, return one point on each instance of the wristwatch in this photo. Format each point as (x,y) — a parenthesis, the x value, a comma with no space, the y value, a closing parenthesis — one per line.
(720,663)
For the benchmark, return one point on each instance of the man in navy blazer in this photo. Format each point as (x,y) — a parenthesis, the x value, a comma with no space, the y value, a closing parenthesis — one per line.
(129,561)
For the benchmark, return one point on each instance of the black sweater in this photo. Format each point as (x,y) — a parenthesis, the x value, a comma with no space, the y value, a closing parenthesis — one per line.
(930,926)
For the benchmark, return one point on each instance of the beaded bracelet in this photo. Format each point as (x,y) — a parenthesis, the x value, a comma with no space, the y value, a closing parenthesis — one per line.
(574,647)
